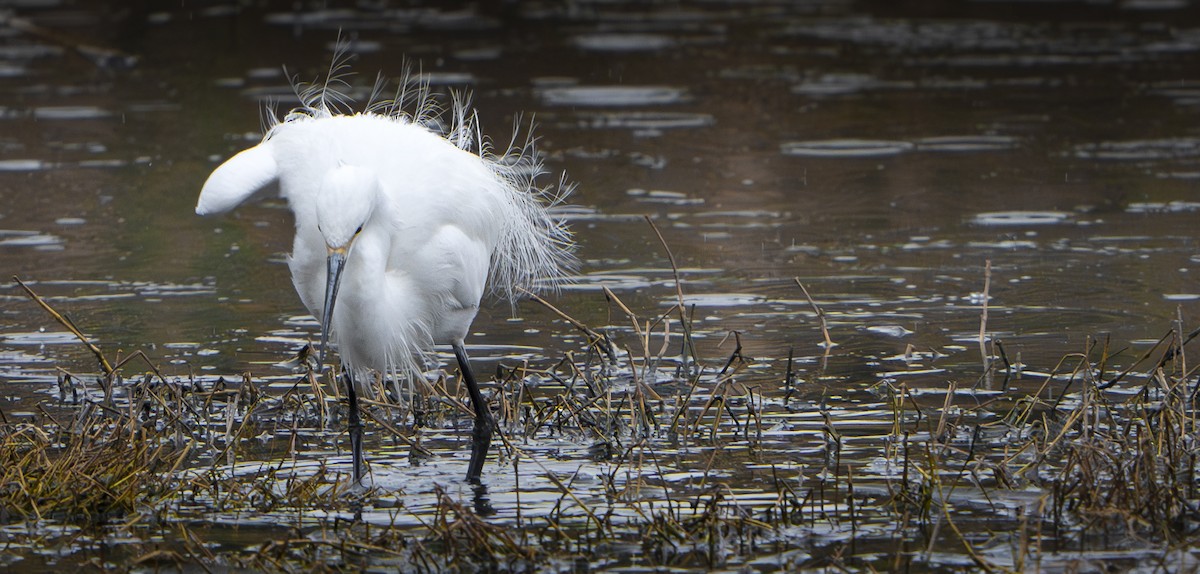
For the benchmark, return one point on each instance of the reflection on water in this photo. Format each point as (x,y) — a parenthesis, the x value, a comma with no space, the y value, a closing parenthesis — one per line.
(613,96)
(881,158)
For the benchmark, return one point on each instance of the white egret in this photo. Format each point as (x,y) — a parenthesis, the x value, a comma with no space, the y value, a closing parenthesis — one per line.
(399,231)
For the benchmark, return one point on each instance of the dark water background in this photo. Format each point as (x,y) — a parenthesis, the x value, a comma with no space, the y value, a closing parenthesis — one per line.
(861,147)
(880,152)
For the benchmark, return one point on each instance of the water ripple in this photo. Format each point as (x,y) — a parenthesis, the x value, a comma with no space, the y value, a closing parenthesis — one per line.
(848,148)
(1167,148)
(617,42)
(70,113)
(842,84)
(39,338)
(646,120)
(613,95)
(1178,206)
(1021,218)
(613,281)
(40,241)
(860,148)
(23,165)
(718,300)
(966,143)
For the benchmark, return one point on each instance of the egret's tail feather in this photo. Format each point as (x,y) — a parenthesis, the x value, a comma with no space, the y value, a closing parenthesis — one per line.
(236,180)
(536,248)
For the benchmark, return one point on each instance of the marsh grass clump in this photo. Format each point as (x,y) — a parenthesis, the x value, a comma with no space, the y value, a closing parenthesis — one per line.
(1127,463)
(1100,458)
(88,472)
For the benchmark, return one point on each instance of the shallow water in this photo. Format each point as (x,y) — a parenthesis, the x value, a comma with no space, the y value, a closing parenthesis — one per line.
(881,157)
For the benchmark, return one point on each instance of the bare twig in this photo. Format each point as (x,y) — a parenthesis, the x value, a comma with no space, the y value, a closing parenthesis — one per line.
(683,319)
(102,57)
(820,315)
(983,315)
(593,337)
(65,322)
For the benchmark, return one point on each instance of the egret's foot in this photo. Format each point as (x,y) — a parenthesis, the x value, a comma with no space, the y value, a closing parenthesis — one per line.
(481,439)
(358,488)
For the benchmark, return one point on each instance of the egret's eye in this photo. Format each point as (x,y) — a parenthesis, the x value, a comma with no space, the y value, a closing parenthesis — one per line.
(359,230)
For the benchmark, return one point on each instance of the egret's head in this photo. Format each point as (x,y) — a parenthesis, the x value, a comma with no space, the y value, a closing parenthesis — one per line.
(345,203)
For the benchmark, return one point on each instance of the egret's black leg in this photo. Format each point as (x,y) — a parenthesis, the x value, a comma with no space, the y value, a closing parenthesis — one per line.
(355,428)
(481,436)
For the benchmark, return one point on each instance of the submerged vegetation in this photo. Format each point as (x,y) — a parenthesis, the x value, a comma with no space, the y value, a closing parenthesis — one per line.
(631,452)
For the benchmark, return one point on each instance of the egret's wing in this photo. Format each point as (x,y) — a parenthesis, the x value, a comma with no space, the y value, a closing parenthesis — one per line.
(237,179)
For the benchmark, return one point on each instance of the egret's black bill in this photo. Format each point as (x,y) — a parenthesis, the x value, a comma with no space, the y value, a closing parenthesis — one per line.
(333,278)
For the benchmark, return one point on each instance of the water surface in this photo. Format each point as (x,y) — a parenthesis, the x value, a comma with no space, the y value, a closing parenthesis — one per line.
(881,157)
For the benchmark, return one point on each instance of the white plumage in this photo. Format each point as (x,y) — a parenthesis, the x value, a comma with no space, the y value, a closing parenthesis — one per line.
(402,227)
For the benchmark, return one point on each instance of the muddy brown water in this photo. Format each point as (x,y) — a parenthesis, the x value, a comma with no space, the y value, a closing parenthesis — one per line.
(881,156)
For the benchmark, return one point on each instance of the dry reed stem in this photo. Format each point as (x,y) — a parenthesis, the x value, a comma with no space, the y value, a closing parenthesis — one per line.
(983,316)
(820,314)
(593,337)
(70,326)
(689,344)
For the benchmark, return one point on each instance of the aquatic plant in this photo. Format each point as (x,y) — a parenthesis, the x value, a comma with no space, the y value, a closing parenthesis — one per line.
(632,450)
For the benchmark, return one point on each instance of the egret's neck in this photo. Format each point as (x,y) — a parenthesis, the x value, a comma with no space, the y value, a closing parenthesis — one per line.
(363,278)
(378,321)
